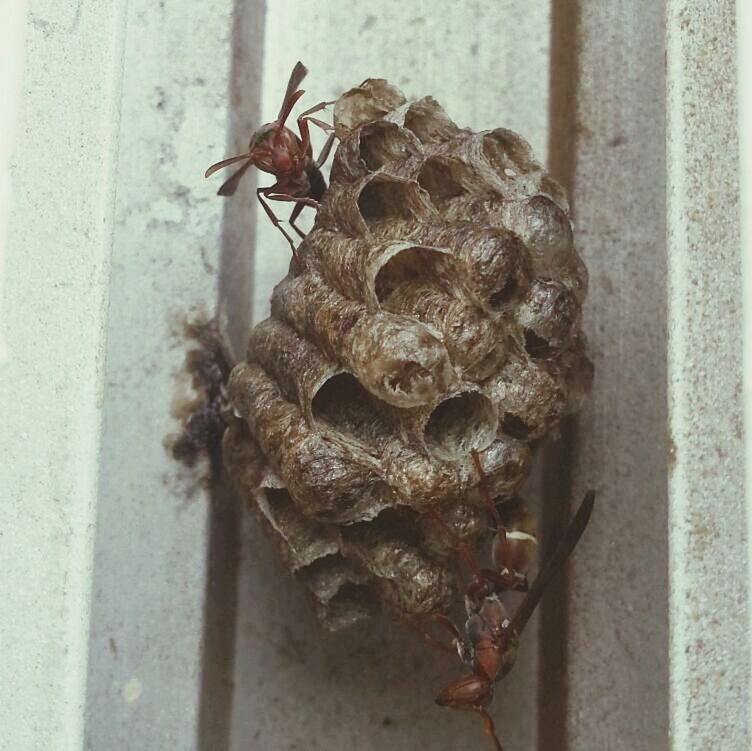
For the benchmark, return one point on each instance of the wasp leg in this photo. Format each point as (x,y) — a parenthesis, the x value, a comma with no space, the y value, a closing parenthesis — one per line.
(326,127)
(485,494)
(452,648)
(260,193)
(316,108)
(488,726)
(461,546)
(300,203)
(430,639)
(293,217)
(291,199)
(324,154)
(303,120)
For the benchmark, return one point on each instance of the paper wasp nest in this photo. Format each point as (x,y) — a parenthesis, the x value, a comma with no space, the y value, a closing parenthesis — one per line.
(434,309)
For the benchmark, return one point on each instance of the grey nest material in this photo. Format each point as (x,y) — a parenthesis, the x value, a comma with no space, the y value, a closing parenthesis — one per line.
(435,308)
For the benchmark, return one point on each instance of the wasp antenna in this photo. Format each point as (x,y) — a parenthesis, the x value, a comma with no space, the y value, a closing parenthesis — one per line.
(485,493)
(226,163)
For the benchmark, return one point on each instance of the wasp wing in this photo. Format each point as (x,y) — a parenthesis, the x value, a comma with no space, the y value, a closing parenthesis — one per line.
(554,563)
(229,187)
(299,72)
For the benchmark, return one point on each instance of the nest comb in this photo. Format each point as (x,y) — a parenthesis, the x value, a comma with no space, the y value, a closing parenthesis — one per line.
(434,309)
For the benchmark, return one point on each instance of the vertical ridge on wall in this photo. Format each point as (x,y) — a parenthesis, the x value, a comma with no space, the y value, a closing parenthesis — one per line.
(618,624)
(152,522)
(235,303)
(562,105)
(53,312)
(559,457)
(744,87)
(244,114)
(710,649)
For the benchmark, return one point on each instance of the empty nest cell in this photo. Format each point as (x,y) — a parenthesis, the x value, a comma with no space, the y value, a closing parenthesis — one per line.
(460,424)
(385,199)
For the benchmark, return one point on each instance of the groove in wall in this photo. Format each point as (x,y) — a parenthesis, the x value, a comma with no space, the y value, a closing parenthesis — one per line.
(235,287)
(559,457)
(553,695)
(220,611)
(234,313)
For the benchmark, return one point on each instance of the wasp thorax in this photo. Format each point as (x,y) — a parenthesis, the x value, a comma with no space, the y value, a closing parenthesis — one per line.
(492,641)
(433,310)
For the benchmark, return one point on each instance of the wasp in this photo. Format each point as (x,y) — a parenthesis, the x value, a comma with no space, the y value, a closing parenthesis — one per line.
(275,149)
(491,636)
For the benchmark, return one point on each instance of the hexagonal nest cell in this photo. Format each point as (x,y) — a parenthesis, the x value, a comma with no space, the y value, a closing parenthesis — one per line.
(434,309)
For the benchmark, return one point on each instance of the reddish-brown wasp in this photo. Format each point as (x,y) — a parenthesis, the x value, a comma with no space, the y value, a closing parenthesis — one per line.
(489,645)
(275,149)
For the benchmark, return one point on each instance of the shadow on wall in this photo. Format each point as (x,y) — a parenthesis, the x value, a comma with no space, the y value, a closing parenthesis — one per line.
(234,314)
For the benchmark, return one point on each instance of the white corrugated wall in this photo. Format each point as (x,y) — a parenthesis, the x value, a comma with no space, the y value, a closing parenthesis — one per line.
(138,612)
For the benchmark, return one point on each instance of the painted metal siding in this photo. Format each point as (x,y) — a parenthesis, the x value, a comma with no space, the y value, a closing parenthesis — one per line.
(142,611)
